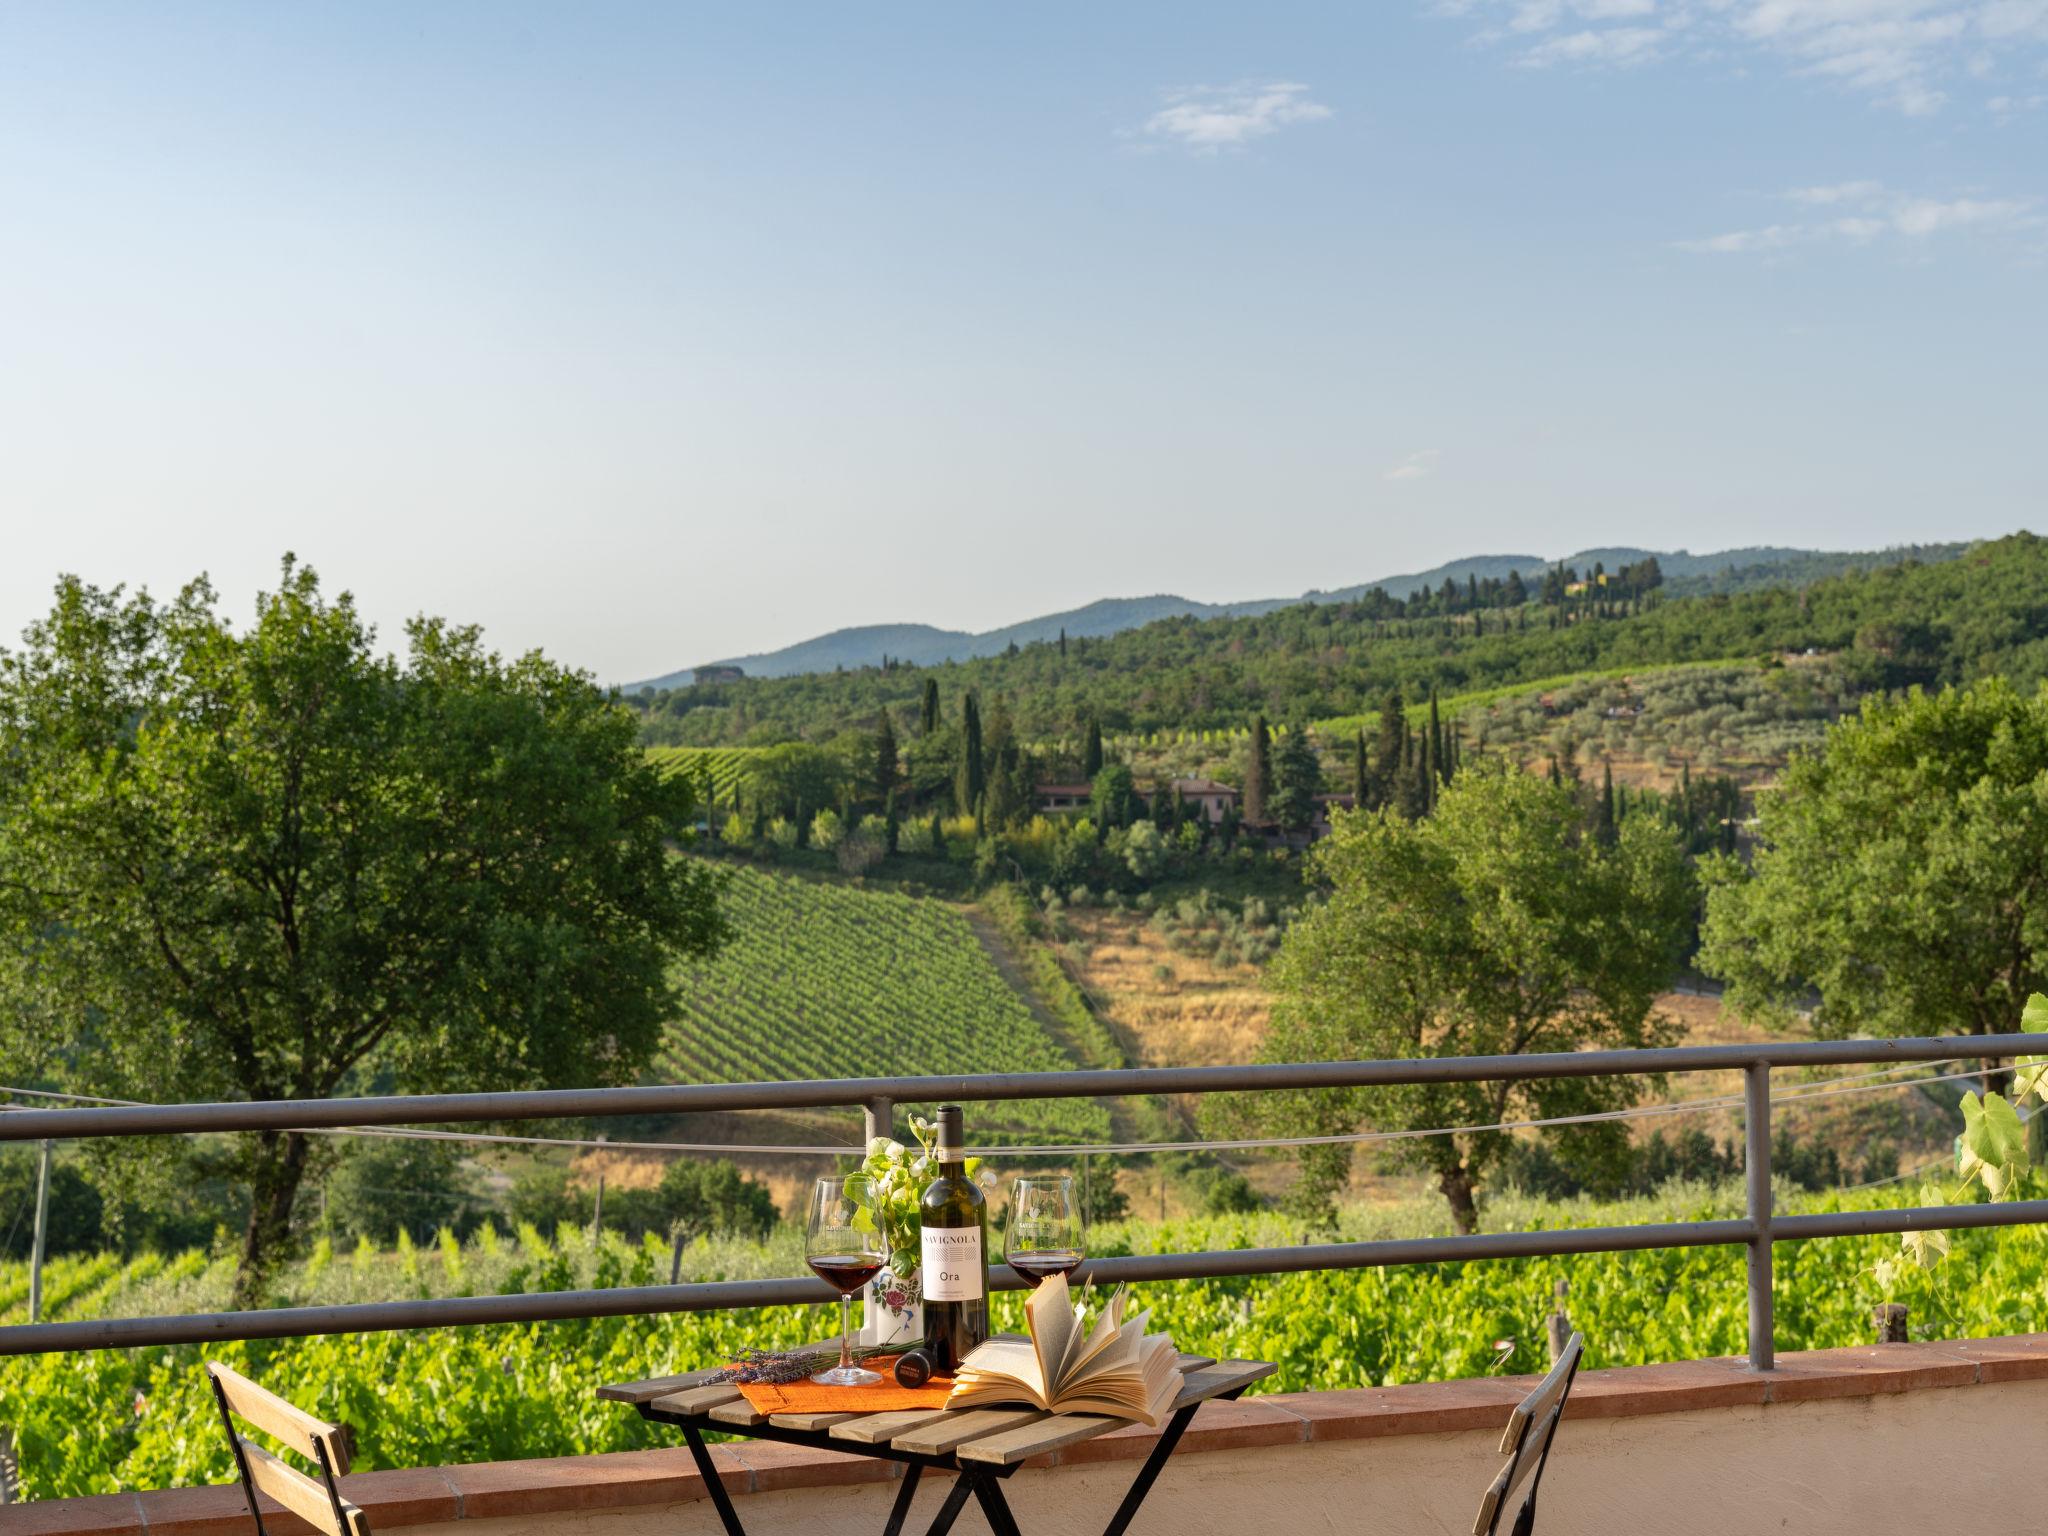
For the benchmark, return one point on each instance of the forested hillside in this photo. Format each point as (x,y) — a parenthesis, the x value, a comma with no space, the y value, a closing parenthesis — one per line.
(1928,623)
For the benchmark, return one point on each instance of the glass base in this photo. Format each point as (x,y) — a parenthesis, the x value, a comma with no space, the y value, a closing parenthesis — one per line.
(846,1376)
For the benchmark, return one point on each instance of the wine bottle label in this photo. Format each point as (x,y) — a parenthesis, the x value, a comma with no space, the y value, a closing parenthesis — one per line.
(952,1264)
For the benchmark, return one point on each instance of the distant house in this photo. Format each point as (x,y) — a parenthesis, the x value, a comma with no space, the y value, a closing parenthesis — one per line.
(1064,797)
(1205,798)
(718,674)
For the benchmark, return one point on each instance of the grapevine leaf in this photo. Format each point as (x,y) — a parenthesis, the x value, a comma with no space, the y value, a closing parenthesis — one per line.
(2034,1017)
(2028,1073)
(1994,1143)
(1927,1249)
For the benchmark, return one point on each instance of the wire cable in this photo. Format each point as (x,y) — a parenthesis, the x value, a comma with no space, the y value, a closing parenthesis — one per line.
(1866,1082)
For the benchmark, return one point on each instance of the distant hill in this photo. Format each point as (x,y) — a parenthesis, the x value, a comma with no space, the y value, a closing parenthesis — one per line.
(868,645)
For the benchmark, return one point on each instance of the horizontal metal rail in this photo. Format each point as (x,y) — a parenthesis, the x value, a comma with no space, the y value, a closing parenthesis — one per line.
(1226,1263)
(1758,1230)
(847,1092)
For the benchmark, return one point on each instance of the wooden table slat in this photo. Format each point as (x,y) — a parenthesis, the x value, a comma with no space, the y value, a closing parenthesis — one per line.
(1195,1362)
(696,1400)
(1224,1376)
(956,1429)
(873,1428)
(811,1421)
(738,1411)
(637,1392)
(1020,1444)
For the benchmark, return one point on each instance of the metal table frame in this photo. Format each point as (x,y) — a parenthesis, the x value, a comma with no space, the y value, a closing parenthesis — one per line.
(981,1480)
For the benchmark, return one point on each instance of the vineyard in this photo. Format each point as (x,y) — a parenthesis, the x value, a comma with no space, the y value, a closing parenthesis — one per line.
(725,767)
(476,1394)
(836,981)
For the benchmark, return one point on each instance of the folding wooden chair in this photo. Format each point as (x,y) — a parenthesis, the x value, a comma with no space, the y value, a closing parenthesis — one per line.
(319,1504)
(1526,1444)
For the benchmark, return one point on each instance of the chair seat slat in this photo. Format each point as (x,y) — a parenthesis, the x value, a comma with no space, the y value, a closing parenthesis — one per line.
(274,1416)
(298,1493)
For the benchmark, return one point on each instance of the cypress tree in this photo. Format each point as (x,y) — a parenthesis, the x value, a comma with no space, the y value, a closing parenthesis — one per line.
(970,780)
(928,715)
(1361,774)
(1063,642)
(885,760)
(1258,772)
(1091,756)
(1603,810)
(1436,738)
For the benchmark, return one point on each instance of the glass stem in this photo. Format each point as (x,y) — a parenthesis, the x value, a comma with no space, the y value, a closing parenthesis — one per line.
(845,1330)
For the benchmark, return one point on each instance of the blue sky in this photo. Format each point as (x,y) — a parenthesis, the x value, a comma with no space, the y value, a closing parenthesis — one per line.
(648,334)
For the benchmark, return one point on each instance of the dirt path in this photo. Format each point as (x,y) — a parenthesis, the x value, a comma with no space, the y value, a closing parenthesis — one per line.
(1122,1125)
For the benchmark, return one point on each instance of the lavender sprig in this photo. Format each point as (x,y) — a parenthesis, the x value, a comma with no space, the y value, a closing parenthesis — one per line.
(778,1367)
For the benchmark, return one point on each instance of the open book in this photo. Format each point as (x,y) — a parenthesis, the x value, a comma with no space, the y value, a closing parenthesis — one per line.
(1116,1368)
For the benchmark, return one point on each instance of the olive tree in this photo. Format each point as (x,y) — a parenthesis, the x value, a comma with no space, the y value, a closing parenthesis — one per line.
(276,863)
(1900,881)
(1496,926)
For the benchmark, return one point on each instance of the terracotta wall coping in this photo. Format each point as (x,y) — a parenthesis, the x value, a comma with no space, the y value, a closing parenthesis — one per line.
(439,1495)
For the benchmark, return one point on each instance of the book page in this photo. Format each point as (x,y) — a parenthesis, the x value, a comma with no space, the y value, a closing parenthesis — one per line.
(1050,1315)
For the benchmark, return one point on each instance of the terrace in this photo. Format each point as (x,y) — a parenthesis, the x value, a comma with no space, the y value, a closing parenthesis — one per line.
(1709,1445)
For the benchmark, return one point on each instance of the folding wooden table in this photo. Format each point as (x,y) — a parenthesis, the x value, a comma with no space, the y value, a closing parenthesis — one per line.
(982,1446)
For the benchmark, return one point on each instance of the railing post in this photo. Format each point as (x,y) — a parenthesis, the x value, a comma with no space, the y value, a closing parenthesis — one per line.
(1756,1164)
(880,1117)
(40,1241)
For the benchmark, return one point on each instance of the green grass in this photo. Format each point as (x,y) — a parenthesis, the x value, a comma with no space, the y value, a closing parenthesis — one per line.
(826,980)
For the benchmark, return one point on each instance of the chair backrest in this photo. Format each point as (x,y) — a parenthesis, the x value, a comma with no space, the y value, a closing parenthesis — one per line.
(318,1503)
(1526,1444)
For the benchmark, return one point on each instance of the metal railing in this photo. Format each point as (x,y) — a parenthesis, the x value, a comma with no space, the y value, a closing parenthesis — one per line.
(1755,1231)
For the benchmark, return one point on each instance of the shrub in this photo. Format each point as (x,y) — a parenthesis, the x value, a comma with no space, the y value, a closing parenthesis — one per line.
(782,833)
(827,830)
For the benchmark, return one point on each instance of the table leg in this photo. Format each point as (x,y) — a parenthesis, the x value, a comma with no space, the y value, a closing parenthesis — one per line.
(949,1511)
(713,1483)
(994,1505)
(1142,1483)
(905,1492)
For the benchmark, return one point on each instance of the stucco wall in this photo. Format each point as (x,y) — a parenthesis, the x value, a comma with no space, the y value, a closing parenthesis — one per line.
(1853,1466)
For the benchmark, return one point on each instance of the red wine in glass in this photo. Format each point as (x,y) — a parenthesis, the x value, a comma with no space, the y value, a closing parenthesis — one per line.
(1047,1233)
(1042,1263)
(846,1272)
(840,1247)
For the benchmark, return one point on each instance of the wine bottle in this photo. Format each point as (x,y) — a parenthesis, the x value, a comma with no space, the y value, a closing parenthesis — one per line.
(953,1223)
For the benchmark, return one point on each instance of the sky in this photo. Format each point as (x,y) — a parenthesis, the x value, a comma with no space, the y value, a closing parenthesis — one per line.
(648,334)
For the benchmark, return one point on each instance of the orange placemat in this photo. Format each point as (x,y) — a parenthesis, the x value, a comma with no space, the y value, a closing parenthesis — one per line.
(883,1397)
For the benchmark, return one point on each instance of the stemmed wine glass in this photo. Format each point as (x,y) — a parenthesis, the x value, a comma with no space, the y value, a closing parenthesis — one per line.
(845,1257)
(1046,1233)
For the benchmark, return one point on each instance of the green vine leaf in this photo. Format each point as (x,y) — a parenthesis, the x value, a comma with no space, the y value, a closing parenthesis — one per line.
(1927,1249)
(1994,1143)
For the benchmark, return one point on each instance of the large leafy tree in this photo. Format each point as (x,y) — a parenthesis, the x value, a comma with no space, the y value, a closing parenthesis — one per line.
(1496,926)
(1900,881)
(273,863)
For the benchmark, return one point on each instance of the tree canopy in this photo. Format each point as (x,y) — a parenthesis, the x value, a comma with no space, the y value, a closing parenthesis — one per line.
(1901,875)
(273,863)
(1496,926)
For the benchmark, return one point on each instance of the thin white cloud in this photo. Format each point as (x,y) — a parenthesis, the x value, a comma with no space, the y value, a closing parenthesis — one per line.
(1863,212)
(1210,119)
(1906,54)
(1416,466)
(1615,45)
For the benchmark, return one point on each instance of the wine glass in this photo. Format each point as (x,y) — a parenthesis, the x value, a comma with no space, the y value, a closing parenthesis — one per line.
(846,1257)
(1046,1227)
